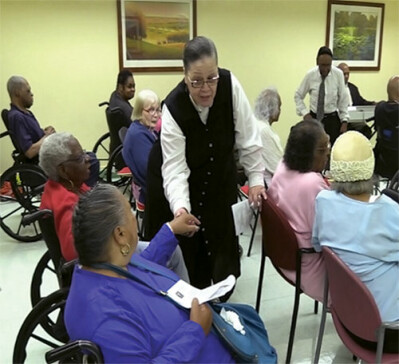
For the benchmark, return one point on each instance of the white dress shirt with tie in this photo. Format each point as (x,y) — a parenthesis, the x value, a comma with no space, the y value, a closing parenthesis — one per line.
(336,95)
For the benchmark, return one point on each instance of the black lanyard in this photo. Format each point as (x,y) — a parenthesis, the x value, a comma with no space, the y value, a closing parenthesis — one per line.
(125,273)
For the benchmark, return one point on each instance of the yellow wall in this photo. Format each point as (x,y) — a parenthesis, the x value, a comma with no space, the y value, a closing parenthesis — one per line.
(68,51)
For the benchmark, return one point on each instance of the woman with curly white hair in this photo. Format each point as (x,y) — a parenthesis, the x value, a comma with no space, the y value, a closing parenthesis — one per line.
(67,166)
(267,111)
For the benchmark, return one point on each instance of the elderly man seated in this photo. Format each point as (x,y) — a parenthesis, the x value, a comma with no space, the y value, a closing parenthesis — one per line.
(26,130)
(387,125)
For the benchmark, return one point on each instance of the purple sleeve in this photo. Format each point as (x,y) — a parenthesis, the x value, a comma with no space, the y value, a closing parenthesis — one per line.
(26,129)
(161,246)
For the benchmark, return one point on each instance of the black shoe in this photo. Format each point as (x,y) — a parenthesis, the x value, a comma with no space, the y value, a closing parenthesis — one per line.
(240,250)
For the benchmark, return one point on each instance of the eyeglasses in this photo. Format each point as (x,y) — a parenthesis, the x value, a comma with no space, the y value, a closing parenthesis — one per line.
(324,149)
(199,83)
(153,110)
(80,159)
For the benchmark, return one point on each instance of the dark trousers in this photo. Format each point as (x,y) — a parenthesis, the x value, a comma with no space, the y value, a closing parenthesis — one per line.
(332,125)
(94,170)
(198,263)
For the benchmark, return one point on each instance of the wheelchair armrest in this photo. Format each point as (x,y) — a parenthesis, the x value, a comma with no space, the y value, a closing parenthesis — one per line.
(66,271)
(5,133)
(371,118)
(73,348)
(68,266)
(34,216)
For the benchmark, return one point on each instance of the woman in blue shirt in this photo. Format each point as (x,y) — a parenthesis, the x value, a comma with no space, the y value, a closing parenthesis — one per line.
(129,321)
(140,138)
(371,248)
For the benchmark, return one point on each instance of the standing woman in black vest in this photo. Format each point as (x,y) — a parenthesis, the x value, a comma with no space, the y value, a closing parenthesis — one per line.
(204,118)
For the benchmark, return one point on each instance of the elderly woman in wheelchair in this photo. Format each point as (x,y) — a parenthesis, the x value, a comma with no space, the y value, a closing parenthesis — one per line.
(67,166)
(367,239)
(114,298)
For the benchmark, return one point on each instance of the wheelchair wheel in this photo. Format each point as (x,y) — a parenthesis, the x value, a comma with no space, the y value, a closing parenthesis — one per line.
(102,151)
(44,271)
(26,182)
(50,310)
(115,164)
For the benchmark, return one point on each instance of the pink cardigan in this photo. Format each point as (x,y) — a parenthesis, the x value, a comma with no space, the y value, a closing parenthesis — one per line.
(295,194)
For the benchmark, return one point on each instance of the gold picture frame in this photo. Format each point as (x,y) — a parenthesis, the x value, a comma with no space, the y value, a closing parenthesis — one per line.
(354,33)
(152,33)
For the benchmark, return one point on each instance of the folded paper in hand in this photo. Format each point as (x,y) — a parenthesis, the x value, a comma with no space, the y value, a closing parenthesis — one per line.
(242,214)
(183,293)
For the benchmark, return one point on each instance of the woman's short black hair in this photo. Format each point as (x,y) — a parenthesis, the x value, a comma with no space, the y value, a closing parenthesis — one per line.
(197,48)
(123,75)
(301,145)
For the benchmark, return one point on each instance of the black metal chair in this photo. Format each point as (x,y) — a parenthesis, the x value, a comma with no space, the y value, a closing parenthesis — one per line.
(393,188)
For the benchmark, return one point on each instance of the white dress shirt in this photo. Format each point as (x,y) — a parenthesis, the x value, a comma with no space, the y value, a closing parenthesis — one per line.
(350,102)
(272,151)
(336,98)
(175,171)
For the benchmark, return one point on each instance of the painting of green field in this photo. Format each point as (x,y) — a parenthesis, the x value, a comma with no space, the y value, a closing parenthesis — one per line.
(355,36)
(156,30)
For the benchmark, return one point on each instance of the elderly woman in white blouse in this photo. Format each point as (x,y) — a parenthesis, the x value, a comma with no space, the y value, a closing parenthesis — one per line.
(267,111)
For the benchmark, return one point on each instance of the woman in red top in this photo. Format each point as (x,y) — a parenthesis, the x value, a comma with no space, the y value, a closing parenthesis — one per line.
(67,167)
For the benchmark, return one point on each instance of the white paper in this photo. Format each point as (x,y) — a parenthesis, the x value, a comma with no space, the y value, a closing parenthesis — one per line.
(183,293)
(242,214)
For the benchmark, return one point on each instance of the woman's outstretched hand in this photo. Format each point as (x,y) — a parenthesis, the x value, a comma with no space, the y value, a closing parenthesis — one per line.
(256,194)
(201,314)
(185,224)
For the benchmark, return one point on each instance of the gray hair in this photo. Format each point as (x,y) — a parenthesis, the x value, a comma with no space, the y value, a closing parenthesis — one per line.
(267,104)
(144,96)
(14,84)
(198,48)
(95,217)
(55,150)
(353,188)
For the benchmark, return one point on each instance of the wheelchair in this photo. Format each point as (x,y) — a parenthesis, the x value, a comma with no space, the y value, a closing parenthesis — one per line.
(45,322)
(116,121)
(25,183)
(52,264)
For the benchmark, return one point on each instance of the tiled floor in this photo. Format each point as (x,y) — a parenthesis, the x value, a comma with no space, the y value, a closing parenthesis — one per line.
(18,261)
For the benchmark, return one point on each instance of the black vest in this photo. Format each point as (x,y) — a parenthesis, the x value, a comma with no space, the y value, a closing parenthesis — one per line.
(209,147)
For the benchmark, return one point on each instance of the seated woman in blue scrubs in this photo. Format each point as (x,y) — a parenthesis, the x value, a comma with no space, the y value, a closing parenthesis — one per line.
(367,239)
(129,321)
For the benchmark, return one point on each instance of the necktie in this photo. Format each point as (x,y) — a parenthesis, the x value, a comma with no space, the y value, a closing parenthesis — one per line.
(320,101)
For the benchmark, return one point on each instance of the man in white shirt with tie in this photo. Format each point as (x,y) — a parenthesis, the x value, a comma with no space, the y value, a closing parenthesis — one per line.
(328,97)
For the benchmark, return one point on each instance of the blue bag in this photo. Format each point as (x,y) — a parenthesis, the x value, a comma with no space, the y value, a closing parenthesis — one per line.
(250,347)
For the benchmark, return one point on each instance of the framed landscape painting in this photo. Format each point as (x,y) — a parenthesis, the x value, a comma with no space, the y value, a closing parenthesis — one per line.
(354,33)
(152,34)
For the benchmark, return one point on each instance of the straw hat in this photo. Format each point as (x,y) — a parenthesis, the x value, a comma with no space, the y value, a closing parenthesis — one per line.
(352,158)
